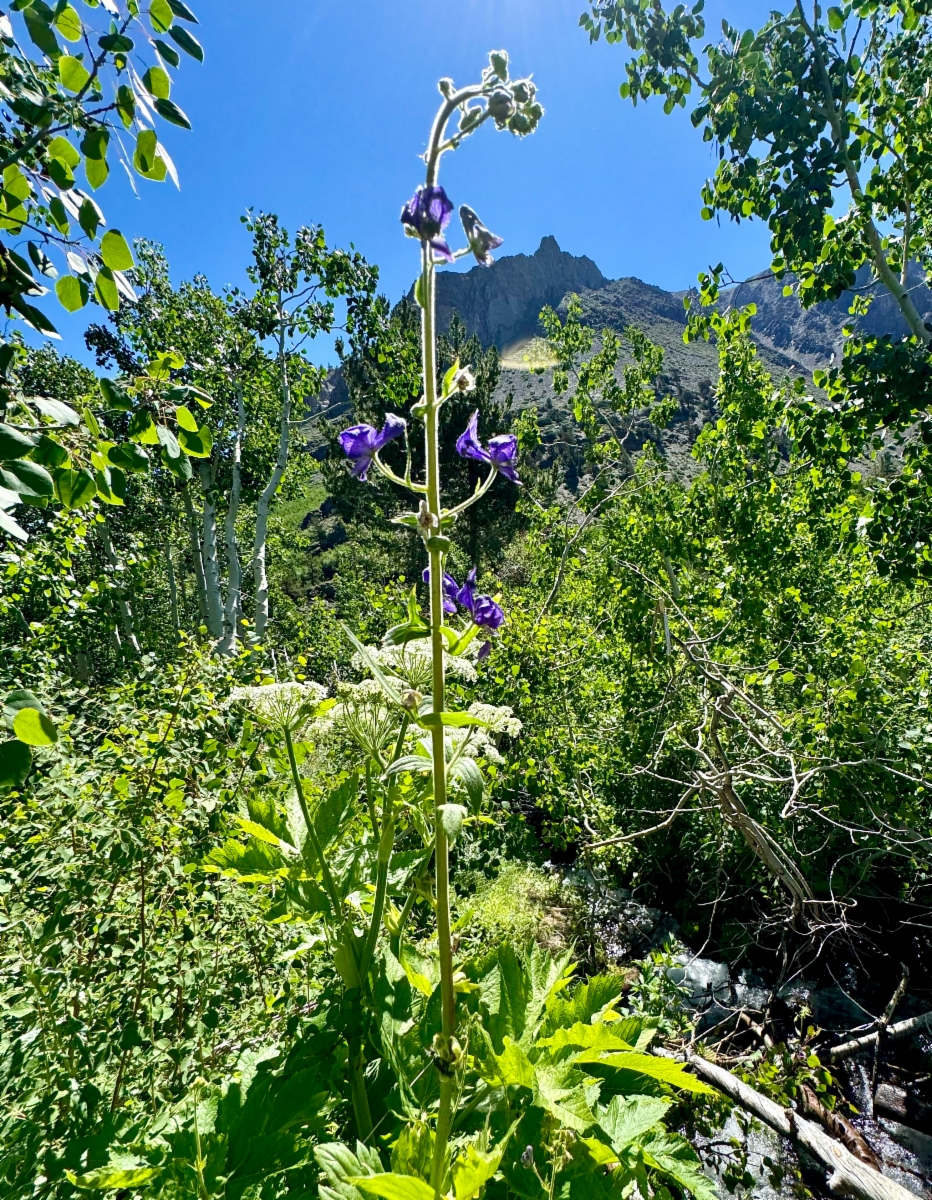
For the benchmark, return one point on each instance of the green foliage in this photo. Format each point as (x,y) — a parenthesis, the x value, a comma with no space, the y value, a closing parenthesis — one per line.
(61,112)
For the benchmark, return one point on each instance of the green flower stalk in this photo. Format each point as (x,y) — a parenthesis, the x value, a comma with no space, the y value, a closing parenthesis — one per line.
(511,105)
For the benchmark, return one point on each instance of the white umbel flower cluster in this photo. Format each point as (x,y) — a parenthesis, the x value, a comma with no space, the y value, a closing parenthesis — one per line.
(282,704)
(411,663)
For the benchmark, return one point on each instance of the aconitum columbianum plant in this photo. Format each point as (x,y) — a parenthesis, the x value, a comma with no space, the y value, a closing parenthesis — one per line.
(458,613)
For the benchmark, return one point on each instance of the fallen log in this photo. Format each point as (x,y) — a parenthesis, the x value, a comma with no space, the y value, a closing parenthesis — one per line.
(837,1125)
(850,1176)
(900,1029)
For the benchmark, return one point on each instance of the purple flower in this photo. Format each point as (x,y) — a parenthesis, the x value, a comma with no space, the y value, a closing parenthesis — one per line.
(450,589)
(426,215)
(481,241)
(487,613)
(483,609)
(361,443)
(502,451)
(484,651)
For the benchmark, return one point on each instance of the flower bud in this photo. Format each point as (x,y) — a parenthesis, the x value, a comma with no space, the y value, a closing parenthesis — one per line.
(426,520)
(447,87)
(527,1157)
(523,91)
(464,380)
(411,699)
(499,62)
(501,107)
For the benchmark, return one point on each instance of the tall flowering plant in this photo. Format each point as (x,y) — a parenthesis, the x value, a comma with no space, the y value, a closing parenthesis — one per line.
(512,105)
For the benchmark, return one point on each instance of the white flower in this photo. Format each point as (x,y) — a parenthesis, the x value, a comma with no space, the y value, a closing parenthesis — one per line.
(499,720)
(284,704)
(412,663)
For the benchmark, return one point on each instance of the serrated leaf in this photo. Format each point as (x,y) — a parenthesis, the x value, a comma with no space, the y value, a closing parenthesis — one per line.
(394,1187)
(662,1069)
(627,1117)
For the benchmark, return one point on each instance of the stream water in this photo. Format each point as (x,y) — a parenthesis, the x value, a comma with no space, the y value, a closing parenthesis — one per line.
(895,1117)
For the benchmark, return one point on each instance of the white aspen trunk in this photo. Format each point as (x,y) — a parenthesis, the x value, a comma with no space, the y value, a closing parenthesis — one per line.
(234,605)
(195,551)
(170,569)
(212,589)
(265,501)
(126,612)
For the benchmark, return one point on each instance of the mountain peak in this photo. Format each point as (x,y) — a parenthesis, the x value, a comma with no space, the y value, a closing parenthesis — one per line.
(503,302)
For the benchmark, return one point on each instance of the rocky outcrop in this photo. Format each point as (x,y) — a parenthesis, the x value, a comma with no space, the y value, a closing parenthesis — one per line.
(503,302)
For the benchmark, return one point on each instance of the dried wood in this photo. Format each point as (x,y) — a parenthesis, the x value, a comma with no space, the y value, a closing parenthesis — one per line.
(900,1029)
(850,1176)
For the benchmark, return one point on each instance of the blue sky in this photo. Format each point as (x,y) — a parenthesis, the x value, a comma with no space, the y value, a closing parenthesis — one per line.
(318,111)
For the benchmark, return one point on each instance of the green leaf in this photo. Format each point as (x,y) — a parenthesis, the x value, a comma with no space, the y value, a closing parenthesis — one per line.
(197,445)
(332,811)
(474,1170)
(836,19)
(451,818)
(409,762)
(560,1088)
(514,1066)
(115,252)
(50,452)
(589,1000)
(171,112)
(41,32)
(55,410)
(394,1187)
(126,107)
(15,763)
(59,215)
(387,685)
(73,73)
(452,720)
(27,478)
(114,396)
(105,290)
(13,444)
(161,15)
(190,45)
(168,53)
(662,1069)
(33,727)
(89,217)
(180,467)
(68,24)
(186,419)
(111,485)
(113,1178)
(146,159)
(129,457)
(96,170)
(181,10)
(597,1038)
(340,1167)
(674,1156)
(168,441)
(467,771)
(157,83)
(11,527)
(627,1117)
(62,150)
(74,489)
(15,701)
